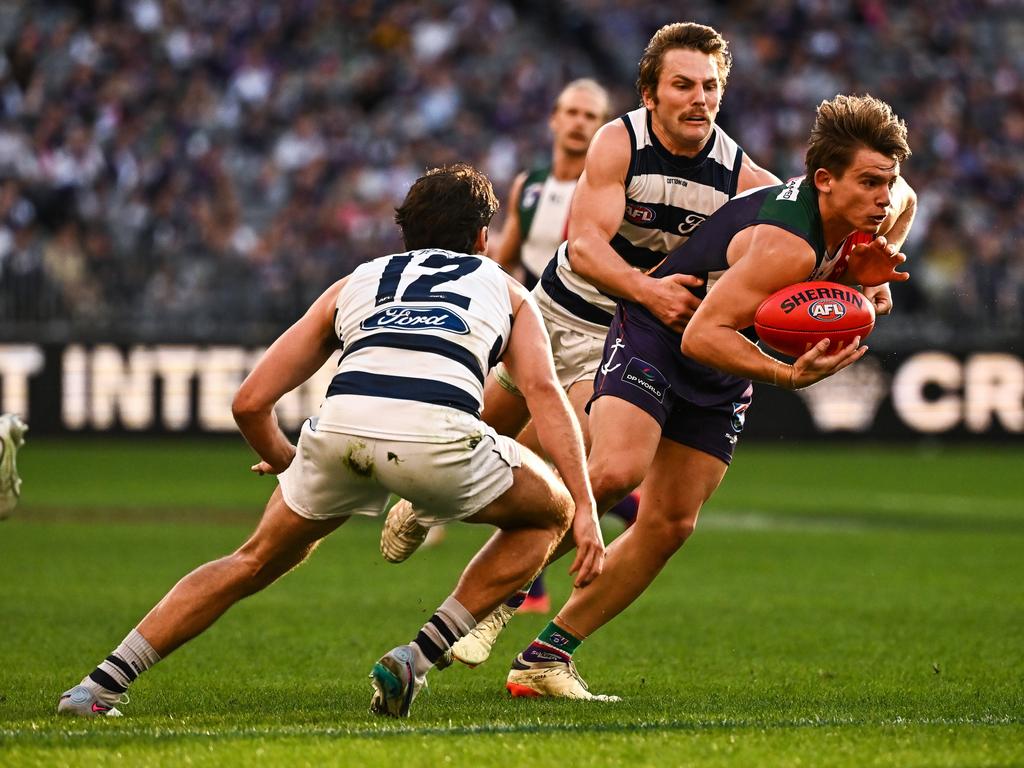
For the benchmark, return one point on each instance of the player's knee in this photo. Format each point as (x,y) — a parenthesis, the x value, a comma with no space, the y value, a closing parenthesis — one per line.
(255,569)
(563,510)
(667,535)
(612,483)
(246,568)
(682,530)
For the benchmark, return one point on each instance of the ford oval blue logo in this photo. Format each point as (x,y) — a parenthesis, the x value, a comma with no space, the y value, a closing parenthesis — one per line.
(416,319)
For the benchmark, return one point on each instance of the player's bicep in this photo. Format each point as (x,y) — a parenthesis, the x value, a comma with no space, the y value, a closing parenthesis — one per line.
(772,258)
(903,196)
(600,198)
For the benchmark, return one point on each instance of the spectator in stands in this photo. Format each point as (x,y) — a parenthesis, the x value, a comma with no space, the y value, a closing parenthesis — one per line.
(318,115)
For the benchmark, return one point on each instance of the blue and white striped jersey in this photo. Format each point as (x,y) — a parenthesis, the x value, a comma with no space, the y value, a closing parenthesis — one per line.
(667,198)
(420,330)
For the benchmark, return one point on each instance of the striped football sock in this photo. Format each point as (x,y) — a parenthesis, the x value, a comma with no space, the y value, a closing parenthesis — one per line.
(451,622)
(554,643)
(115,673)
(517,599)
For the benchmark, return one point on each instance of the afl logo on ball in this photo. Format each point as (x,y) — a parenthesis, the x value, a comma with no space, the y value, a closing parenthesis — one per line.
(826,310)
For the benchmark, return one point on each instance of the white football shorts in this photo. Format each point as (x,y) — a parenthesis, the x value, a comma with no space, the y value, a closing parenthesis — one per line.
(335,474)
(576,345)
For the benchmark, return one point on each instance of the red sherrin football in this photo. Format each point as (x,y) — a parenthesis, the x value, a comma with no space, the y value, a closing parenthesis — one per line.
(796,318)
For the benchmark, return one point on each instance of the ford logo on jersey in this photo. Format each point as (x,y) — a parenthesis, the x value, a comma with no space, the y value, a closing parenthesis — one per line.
(416,319)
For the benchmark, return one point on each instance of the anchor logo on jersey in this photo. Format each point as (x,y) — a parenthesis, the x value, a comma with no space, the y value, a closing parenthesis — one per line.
(608,367)
(739,417)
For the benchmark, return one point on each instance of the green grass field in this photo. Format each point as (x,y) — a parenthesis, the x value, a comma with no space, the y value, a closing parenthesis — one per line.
(837,607)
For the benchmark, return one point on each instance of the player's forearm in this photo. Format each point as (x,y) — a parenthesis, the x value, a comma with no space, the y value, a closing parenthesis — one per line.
(560,437)
(259,427)
(728,351)
(901,227)
(594,260)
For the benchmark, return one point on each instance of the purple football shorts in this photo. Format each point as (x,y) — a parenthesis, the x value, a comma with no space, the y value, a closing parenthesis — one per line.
(644,366)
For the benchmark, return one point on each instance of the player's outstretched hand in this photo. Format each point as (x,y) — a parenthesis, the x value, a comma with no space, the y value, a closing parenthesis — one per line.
(875,263)
(816,364)
(671,301)
(586,532)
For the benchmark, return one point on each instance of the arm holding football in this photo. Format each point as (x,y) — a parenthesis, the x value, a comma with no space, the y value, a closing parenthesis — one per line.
(764,260)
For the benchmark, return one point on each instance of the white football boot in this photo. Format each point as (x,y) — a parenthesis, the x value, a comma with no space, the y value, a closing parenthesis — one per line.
(402,533)
(555,679)
(395,684)
(475,647)
(83,702)
(12,437)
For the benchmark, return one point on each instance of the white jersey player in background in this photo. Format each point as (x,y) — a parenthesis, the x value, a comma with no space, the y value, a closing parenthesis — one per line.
(419,330)
(537,208)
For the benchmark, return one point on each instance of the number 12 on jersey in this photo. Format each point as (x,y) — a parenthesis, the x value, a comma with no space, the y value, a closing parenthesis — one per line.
(449,268)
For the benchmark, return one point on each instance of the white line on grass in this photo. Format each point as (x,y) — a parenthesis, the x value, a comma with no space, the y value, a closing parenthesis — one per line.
(160,733)
(733,520)
(891,501)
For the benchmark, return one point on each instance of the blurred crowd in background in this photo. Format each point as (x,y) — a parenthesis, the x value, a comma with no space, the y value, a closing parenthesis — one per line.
(194,169)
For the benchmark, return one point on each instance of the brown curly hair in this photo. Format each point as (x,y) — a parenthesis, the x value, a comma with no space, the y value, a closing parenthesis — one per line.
(446,208)
(847,123)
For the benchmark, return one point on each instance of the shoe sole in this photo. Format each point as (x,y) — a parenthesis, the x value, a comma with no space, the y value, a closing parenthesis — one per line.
(470,664)
(389,686)
(400,557)
(522,691)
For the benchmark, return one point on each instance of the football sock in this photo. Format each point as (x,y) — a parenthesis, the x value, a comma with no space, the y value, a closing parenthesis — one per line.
(517,599)
(627,508)
(537,589)
(451,622)
(553,644)
(115,673)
